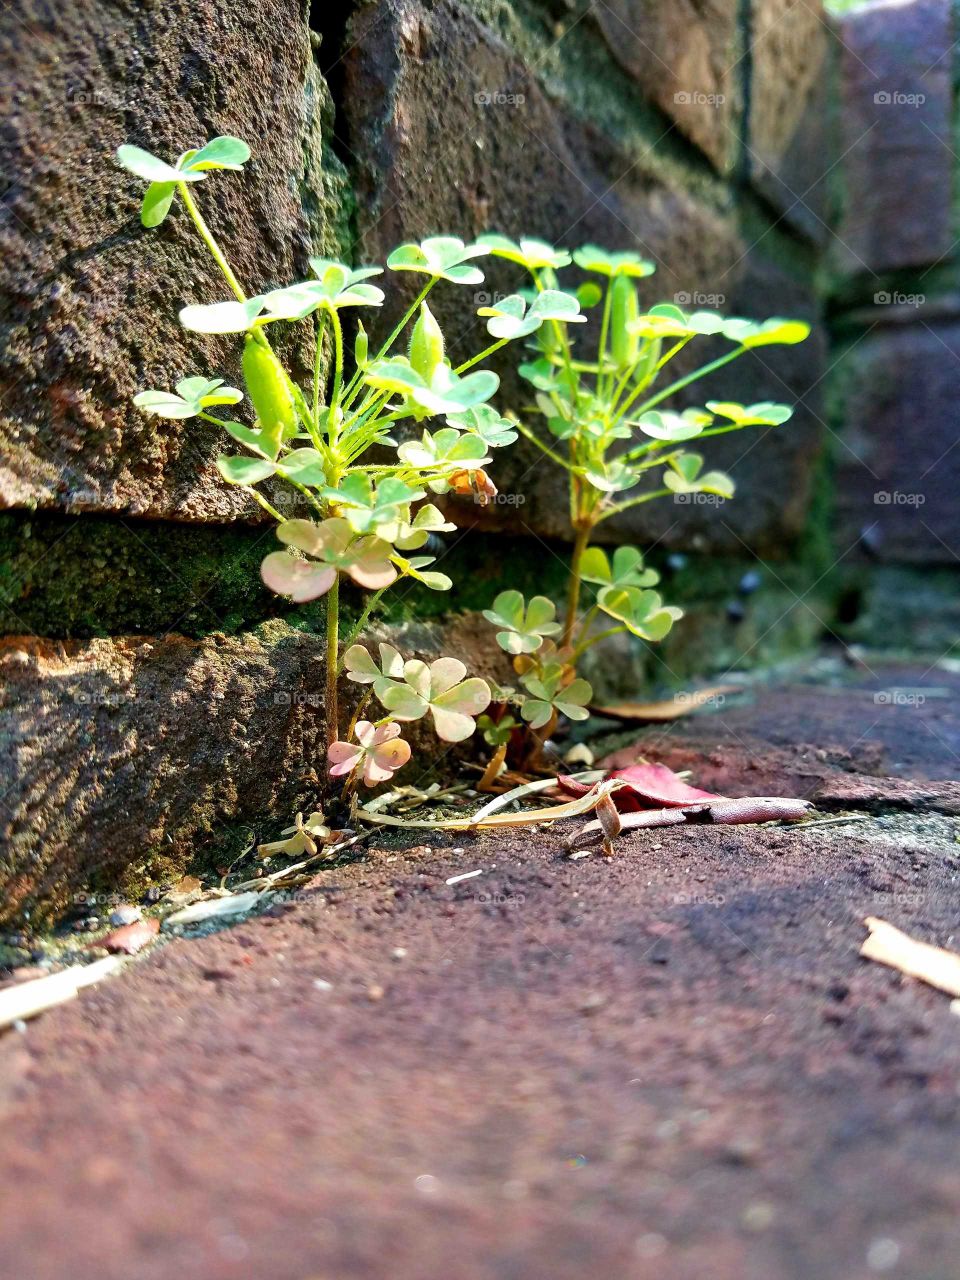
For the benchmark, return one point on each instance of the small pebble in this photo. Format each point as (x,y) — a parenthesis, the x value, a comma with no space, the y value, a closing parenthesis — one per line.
(126,913)
(322,984)
(735,611)
(152,895)
(375,993)
(420,851)
(399,953)
(676,562)
(750,582)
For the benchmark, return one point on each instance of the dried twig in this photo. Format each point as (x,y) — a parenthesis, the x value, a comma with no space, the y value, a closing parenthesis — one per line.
(744,810)
(933,965)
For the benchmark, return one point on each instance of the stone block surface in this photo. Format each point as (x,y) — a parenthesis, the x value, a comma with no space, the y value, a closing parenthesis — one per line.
(895,111)
(88,298)
(898,458)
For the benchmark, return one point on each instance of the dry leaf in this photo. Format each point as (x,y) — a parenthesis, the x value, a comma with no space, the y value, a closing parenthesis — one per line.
(27,999)
(233,904)
(129,938)
(933,965)
(669,709)
(646,786)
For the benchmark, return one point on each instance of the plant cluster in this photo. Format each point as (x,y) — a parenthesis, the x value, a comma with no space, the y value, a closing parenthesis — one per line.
(379,431)
(601,411)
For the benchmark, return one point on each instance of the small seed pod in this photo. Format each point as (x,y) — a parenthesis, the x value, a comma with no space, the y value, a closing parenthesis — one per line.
(269,390)
(426,344)
(361,346)
(624,310)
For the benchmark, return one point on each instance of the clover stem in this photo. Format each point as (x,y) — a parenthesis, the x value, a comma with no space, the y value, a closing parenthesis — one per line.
(680,383)
(333,647)
(361,707)
(592,640)
(634,502)
(264,503)
(332,426)
(208,239)
(604,330)
(573,591)
(588,620)
(525,431)
(317,363)
(362,622)
(468,364)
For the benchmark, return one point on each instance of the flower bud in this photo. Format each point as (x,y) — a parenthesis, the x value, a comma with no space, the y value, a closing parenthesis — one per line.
(426,344)
(269,390)
(361,346)
(624,310)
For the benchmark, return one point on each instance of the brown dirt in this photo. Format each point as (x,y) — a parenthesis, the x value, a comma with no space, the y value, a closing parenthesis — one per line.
(673,1064)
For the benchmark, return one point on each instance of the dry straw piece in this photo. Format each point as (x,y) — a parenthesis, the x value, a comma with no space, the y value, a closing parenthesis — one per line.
(933,965)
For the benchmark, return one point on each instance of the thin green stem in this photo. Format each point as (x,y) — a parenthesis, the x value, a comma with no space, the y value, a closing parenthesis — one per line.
(362,622)
(592,640)
(573,591)
(684,382)
(468,364)
(604,330)
(318,366)
(332,426)
(208,239)
(264,503)
(529,435)
(333,655)
(634,502)
(588,620)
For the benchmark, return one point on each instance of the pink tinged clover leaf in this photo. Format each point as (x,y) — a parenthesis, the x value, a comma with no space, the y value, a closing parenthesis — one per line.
(379,751)
(439,689)
(333,548)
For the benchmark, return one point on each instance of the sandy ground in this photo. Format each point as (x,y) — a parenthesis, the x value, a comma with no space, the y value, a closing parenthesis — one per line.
(671,1064)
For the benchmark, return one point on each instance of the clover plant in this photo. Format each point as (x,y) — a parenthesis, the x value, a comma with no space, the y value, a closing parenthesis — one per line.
(602,409)
(369,513)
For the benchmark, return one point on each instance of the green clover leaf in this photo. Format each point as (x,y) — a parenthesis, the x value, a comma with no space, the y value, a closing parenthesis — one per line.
(643,613)
(765,333)
(510,318)
(442,257)
(414,568)
(548,693)
(662,424)
(684,477)
(222,317)
(668,321)
(362,669)
(367,509)
(532,254)
(485,422)
(592,258)
(192,396)
(241,470)
(439,689)
(524,625)
(763,414)
(412,534)
(627,569)
(445,393)
(445,450)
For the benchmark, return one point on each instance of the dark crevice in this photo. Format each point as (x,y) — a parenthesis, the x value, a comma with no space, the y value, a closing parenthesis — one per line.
(329,22)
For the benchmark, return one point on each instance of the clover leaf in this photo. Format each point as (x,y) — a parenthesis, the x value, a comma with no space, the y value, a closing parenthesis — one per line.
(366,508)
(411,534)
(446,392)
(446,449)
(336,285)
(219,153)
(592,258)
(333,549)
(626,571)
(416,568)
(751,333)
(763,414)
(241,470)
(611,476)
(362,668)
(442,257)
(642,612)
(439,689)
(661,424)
(379,751)
(684,477)
(225,152)
(484,421)
(192,396)
(549,694)
(524,625)
(151,168)
(668,321)
(222,317)
(511,318)
(532,254)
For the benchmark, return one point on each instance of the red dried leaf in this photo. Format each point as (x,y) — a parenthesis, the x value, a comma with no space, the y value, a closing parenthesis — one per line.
(651,786)
(130,938)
